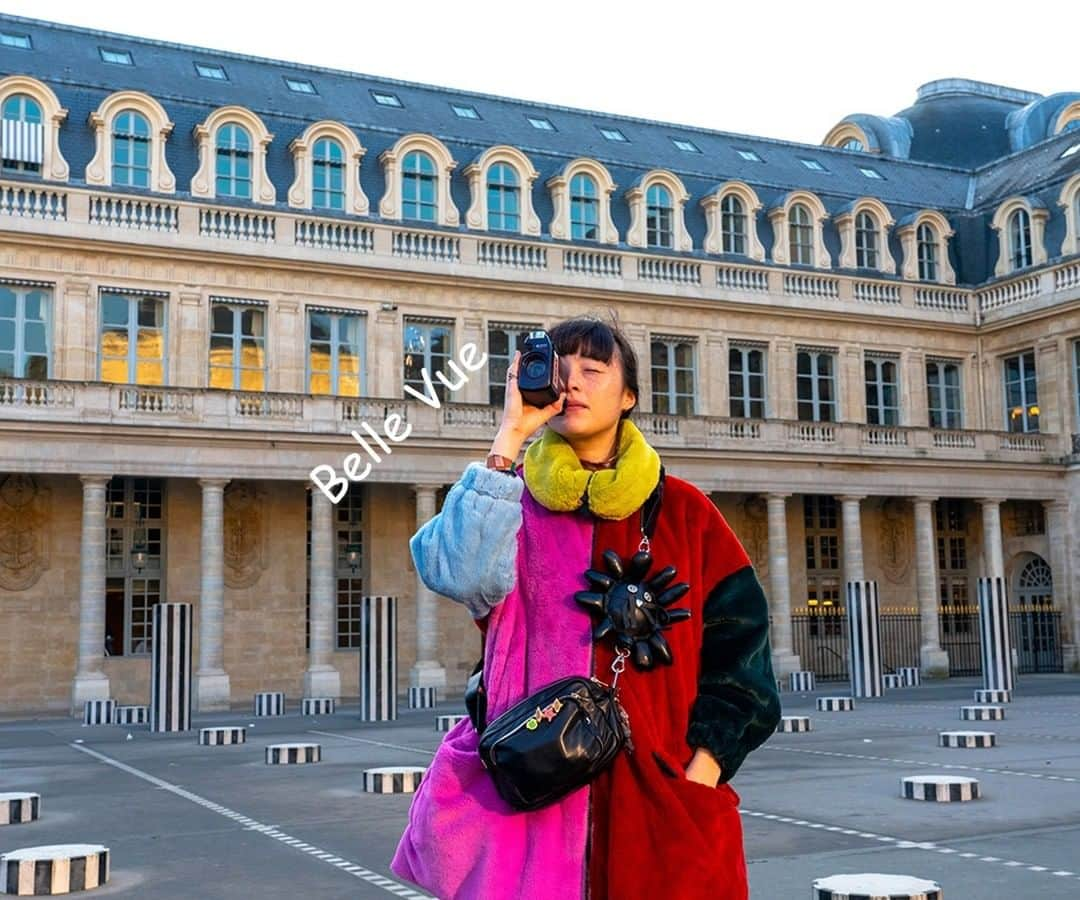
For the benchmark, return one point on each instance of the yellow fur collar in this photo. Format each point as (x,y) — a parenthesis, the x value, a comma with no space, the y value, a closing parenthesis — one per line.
(557,479)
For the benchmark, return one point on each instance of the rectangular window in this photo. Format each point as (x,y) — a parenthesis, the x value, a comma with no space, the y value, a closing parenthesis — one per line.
(25,326)
(746,382)
(816,385)
(116,57)
(350,567)
(428,346)
(882,391)
(686,146)
(1021,393)
(540,123)
(613,134)
(503,342)
(215,73)
(822,535)
(464,112)
(385,99)
(335,353)
(18,41)
(813,165)
(134,562)
(943,397)
(872,173)
(951,538)
(300,86)
(237,347)
(673,376)
(132,346)
(749,155)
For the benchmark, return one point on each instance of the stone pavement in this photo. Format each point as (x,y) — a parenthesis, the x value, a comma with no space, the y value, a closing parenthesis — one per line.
(186,821)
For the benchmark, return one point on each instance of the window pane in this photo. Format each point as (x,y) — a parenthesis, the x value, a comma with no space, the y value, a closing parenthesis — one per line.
(114,310)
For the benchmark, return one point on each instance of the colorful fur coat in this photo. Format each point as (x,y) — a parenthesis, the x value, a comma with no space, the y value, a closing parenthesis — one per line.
(641,830)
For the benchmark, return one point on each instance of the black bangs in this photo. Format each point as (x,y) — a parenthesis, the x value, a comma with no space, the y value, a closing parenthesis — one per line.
(590,338)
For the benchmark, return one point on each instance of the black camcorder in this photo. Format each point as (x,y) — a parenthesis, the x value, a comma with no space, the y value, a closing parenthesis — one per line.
(538,371)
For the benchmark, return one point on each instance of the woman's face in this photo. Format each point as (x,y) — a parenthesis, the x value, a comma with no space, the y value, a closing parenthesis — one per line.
(595,397)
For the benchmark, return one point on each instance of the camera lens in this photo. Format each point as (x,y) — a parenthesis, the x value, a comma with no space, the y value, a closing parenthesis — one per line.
(535,369)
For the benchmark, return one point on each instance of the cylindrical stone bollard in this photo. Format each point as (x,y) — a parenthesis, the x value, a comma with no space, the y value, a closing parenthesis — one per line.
(967,740)
(802,681)
(874,886)
(378,659)
(293,754)
(793,724)
(892,682)
(99,712)
(131,715)
(910,674)
(423,697)
(54,869)
(982,713)
(393,779)
(939,788)
(170,668)
(318,706)
(864,639)
(994,639)
(19,807)
(835,704)
(269,703)
(445,723)
(993,696)
(222,735)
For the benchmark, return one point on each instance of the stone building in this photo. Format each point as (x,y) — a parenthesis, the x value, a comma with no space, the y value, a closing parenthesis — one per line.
(214,267)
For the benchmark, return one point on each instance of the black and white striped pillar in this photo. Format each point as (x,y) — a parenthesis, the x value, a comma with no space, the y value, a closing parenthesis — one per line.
(864,639)
(222,735)
(131,715)
(982,713)
(445,723)
(793,724)
(54,869)
(967,740)
(835,704)
(939,788)
(270,703)
(378,659)
(19,807)
(423,697)
(318,706)
(393,779)
(293,754)
(99,712)
(170,668)
(801,681)
(997,662)
(865,885)
(993,696)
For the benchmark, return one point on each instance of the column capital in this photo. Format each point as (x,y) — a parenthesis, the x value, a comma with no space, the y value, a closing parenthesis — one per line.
(997,501)
(420,488)
(778,495)
(924,498)
(850,498)
(212,483)
(1056,503)
(95,480)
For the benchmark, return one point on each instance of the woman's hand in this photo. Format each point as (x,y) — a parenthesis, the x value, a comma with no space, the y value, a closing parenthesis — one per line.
(703,768)
(519,419)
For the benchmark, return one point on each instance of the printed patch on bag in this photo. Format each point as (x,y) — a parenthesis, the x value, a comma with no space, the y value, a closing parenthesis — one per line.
(546,714)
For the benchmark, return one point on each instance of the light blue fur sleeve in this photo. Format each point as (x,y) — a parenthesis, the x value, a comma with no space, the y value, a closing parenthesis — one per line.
(468,551)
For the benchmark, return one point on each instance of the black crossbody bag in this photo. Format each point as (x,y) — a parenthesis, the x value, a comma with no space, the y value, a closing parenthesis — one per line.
(561,736)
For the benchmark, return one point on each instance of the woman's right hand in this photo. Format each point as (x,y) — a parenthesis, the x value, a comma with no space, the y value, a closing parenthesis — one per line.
(519,419)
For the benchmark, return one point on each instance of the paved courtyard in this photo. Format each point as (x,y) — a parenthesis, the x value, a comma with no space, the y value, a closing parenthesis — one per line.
(186,821)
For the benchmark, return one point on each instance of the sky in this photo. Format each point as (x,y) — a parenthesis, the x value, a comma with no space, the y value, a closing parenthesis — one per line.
(778,69)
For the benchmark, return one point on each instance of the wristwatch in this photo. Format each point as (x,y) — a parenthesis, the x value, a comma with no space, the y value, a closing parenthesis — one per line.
(500,463)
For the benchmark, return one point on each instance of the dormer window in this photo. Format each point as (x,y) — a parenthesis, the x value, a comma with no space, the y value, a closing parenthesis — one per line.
(418,187)
(540,123)
(801,235)
(866,241)
(131,150)
(813,165)
(871,173)
(685,146)
(214,73)
(23,134)
(749,155)
(928,252)
(300,86)
(853,144)
(18,41)
(584,208)
(1020,239)
(384,98)
(464,112)
(613,134)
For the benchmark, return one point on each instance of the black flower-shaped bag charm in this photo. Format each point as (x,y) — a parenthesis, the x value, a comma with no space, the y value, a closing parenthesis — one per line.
(635,610)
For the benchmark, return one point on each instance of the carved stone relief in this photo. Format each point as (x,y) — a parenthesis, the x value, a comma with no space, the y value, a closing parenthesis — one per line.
(895,537)
(245,534)
(24,535)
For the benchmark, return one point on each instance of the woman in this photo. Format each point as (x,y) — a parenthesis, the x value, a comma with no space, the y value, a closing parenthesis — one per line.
(661,821)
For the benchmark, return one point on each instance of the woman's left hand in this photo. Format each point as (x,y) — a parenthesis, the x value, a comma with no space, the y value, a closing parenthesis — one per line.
(703,768)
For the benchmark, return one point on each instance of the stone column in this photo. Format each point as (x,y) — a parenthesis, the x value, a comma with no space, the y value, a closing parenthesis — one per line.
(853,556)
(1057,536)
(91,682)
(212,689)
(933,660)
(321,678)
(426,671)
(1072,552)
(783,653)
(993,559)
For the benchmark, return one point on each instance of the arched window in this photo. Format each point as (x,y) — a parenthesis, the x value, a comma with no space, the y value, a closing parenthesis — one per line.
(584,208)
(131,150)
(328,187)
(801,235)
(23,138)
(1072,125)
(853,144)
(1020,239)
(658,221)
(233,168)
(503,198)
(733,225)
(866,241)
(418,185)
(928,253)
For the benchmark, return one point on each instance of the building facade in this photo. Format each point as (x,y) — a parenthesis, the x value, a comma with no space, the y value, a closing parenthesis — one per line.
(215,268)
